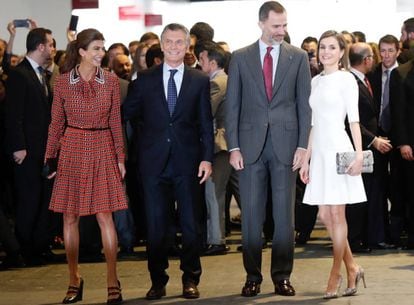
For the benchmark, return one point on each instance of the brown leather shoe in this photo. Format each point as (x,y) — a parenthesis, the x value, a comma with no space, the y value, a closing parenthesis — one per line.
(155,293)
(250,289)
(190,291)
(284,287)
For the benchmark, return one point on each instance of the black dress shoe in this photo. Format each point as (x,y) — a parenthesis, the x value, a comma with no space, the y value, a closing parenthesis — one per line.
(383,246)
(190,291)
(284,287)
(301,238)
(156,292)
(250,289)
(216,250)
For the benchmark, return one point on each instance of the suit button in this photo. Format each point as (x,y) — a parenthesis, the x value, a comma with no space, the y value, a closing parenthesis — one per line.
(170,124)
(168,140)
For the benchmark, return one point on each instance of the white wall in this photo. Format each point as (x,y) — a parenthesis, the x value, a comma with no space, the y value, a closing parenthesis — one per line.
(233,21)
(52,14)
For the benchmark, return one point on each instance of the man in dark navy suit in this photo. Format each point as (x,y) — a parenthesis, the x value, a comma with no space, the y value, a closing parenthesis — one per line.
(175,151)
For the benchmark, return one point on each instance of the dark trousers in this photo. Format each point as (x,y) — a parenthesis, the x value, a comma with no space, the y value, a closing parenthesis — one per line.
(305,214)
(254,179)
(33,229)
(402,198)
(159,193)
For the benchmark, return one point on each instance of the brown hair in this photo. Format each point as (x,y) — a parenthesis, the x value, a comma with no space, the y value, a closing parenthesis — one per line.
(82,41)
(344,61)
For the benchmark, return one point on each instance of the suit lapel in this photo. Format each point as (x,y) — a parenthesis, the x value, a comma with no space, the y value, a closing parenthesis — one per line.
(255,66)
(283,65)
(159,80)
(365,92)
(35,80)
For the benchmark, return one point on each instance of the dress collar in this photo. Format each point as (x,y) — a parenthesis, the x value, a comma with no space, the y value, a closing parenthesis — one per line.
(75,75)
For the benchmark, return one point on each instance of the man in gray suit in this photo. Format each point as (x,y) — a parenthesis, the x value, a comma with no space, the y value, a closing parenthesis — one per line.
(267,125)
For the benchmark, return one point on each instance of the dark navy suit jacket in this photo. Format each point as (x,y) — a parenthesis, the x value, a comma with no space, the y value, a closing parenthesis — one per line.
(185,138)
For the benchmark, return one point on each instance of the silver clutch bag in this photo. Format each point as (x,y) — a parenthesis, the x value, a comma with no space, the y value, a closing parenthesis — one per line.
(343,159)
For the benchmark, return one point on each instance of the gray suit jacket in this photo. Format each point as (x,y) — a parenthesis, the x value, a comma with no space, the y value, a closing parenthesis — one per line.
(218,85)
(249,114)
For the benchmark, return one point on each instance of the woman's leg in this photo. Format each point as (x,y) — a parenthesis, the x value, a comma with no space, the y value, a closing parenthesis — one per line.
(110,246)
(333,216)
(71,240)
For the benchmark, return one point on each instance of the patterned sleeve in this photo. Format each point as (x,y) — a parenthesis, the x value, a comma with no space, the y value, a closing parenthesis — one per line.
(57,124)
(115,120)
(350,94)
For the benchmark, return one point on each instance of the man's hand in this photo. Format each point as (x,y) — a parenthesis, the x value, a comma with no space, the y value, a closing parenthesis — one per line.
(19,156)
(383,145)
(204,171)
(236,160)
(298,158)
(407,152)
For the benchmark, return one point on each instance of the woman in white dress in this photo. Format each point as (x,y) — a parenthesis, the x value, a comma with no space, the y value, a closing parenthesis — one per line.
(334,96)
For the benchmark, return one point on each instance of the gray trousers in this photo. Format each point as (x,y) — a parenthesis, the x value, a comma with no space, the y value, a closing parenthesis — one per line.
(254,180)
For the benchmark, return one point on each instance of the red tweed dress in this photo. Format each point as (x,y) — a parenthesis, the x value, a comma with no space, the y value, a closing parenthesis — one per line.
(86,135)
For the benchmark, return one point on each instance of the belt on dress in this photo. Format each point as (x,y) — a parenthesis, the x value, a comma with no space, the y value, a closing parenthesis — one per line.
(88,129)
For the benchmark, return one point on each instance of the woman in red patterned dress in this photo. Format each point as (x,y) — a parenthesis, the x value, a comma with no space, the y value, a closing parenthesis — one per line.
(85,136)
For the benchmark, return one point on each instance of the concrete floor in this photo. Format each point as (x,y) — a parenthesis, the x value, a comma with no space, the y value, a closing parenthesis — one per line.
(389,276)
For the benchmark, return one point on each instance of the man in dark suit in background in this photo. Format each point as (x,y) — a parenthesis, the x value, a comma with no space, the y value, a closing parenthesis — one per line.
(402,136)
(267,128)
(175,151)
(361,60)
(388,165)
(28,105)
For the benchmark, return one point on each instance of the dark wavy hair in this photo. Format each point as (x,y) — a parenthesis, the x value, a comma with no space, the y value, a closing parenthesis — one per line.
(82,41)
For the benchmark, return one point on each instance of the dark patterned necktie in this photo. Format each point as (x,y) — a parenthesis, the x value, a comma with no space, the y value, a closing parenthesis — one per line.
(268,73)
(172,92)
(385,121)
(43,80)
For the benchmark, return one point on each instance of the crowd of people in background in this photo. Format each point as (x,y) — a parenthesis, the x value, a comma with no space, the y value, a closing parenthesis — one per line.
(383,71)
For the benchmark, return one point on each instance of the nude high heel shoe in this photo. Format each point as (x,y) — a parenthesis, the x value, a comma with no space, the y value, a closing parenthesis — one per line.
(334,295)
(352,291)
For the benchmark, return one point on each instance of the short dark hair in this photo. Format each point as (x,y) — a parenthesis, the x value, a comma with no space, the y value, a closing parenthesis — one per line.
(202,31)
(270,6)
(36,37)
(153,52)
(119,45)
(391,39)
(214,52)
(360,36)
(309,39)
(409,25)
(147,36)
